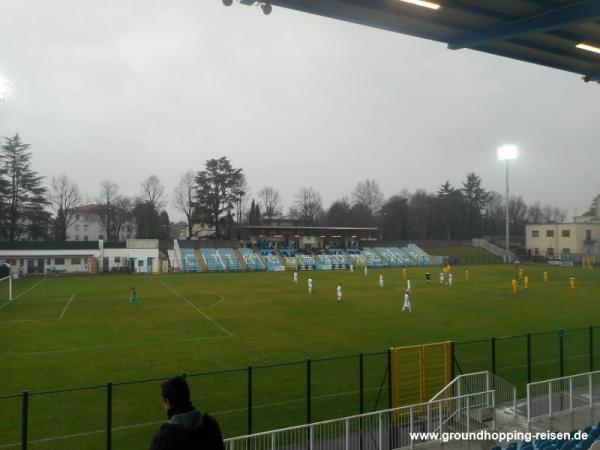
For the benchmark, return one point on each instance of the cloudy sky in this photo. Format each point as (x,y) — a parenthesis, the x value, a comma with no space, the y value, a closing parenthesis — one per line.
(121,89)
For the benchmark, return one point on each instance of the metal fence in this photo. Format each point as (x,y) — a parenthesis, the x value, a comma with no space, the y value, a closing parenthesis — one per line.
(265,397)
(529,357)
(553,397)
(387,429)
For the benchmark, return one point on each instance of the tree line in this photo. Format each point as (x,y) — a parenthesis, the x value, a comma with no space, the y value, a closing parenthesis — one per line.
(218,197)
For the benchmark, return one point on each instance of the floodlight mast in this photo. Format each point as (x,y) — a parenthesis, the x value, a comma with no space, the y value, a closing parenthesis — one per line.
(506,153)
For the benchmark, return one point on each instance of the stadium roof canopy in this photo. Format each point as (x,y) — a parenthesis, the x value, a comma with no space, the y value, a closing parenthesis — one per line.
(544,32)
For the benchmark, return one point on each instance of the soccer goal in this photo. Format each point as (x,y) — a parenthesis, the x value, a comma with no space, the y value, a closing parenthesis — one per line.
(6,289)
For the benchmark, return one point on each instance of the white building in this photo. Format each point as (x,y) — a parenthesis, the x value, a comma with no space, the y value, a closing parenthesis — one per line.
(86,226)
(135,255)
(580,237)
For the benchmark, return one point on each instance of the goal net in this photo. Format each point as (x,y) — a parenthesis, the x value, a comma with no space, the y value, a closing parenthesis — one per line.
(5,289)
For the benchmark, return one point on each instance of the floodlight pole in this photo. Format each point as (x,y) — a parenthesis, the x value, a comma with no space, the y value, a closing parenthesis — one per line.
(507,216)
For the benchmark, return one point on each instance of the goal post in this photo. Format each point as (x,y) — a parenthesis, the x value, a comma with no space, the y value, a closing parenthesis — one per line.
(6,289)
(418,372)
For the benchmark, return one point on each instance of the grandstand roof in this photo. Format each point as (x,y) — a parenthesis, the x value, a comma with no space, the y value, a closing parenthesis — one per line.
(543,32)
(277,227)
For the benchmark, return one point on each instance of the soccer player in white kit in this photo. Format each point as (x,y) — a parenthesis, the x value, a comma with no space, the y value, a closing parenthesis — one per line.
(366,270)
(450,278)
(406,304)
(339,292)
(408,285)
(295,277)
(380,280)
(351,268)
(441,277)
(310,285)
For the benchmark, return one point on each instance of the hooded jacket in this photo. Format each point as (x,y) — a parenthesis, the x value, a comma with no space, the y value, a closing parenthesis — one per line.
(188,429)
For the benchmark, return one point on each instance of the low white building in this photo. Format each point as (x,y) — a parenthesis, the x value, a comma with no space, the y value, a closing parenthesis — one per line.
(134,256)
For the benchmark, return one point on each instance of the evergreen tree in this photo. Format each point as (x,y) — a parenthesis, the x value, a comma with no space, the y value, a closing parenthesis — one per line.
(219,187)
(23,196)
(475,198)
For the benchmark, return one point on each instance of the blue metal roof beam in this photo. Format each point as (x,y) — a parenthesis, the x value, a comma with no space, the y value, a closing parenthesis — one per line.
(586,11)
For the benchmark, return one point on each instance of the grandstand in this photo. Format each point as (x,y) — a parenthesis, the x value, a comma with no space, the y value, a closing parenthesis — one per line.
(306,262)
(253,260)
(213,260)
(229,259)
(187,257)
(274,264)
(189,261)
(373,259)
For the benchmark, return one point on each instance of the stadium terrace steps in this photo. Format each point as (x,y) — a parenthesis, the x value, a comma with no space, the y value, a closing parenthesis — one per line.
(241,259)
(189,261)
(228,259)
(253,260)
(212,259)
(200,260)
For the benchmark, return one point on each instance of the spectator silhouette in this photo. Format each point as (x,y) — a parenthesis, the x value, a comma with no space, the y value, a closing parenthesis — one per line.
(187,428)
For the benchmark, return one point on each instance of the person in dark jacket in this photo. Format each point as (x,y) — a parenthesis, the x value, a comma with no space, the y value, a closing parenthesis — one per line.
(187,428)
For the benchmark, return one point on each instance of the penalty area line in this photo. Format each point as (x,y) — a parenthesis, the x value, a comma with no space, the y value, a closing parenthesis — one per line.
(66,306)
(225,330)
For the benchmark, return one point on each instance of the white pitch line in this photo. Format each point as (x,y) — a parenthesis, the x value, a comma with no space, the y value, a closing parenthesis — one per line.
(157,422)
(66,306)
(229,333)
(23,293)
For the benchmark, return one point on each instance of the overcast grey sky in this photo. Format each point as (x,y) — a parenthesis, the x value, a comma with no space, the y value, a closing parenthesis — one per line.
(123,89)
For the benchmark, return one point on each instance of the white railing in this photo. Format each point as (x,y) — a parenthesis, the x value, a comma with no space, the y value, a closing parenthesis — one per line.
(553,397)
(177,251)
(478,382)
(380,430)
(494,249)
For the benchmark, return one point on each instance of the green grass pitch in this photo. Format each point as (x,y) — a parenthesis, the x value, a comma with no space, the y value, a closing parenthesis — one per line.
(63,332)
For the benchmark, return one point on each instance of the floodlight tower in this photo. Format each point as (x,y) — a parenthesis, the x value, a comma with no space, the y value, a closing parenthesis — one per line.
(506,153)
(4,87)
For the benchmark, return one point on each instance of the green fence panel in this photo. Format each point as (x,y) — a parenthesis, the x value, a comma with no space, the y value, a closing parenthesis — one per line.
(10,420)
(335,387)
(376,388)
(279,396)
(545,356)
(576,351)
(67,419)
(511,359)
(137,412)
(472,356)
(224,396)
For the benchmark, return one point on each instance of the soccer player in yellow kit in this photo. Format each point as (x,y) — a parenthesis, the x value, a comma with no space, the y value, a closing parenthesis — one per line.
(545,277)
(515,286)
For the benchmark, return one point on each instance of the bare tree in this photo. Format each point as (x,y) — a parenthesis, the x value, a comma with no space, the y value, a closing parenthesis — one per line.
(271,202)
(184,197)
(64,197)
(308,206)
(122,213)
(368,194)
(109,192)
(152,192)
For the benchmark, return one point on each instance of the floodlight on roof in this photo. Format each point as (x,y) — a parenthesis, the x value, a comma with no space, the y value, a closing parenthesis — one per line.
(507,152)
(4,87)
(588,47)
(423,3)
